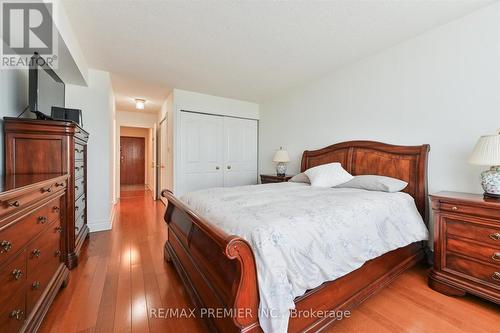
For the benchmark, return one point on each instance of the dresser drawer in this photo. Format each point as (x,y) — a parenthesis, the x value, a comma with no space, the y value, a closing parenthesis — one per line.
(485,273)
(484,234)
(79,169)
(79,187)
(470,210)
(13,313)
(14,236)
(485,253)
(79,152)
(80,206)
(44,257)
(13,204)
(12,277)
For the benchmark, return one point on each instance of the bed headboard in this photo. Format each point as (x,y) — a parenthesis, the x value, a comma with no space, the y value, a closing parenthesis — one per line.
(408,163)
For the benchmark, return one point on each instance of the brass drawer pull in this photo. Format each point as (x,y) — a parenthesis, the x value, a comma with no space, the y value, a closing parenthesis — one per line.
(47,189)
(5,246)
(454,208)
(42,219)
(17,273)
(17,314)
(495,236)
(57,253)
(77,168)
(36,253)
(58,229)
(14,204)
(56,209)
(496,276)
(77,208)
(76,187)
(59,184)
(77,228)
(496,256)
(36,285)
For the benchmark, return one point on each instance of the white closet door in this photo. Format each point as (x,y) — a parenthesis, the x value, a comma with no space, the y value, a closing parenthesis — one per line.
(240,164)
(202,152)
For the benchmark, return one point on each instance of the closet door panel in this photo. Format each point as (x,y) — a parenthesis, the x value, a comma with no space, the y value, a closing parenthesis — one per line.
(240,162)
(202,151)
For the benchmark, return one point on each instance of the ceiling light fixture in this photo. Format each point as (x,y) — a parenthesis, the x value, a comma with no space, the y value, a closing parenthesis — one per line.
(139,103)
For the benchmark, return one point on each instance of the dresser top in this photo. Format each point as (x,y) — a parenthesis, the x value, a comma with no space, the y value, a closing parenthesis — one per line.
(477,199)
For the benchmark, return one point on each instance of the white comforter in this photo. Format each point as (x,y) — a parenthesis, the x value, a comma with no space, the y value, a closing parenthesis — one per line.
(303,236)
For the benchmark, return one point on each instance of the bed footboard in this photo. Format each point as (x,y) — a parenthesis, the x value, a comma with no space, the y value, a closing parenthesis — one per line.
(217,269)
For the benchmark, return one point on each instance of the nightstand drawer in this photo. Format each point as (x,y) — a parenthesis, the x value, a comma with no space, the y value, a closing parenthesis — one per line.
(483,272)
(485,253)
(470,210)
(481,233)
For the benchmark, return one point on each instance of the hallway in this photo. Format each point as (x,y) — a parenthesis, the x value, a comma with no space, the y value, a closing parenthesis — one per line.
(122,275)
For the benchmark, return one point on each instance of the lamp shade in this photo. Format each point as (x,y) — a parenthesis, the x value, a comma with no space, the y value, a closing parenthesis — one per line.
(486,151)
(281,156)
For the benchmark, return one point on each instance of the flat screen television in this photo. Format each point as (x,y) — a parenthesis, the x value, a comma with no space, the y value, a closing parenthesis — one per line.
(46,89)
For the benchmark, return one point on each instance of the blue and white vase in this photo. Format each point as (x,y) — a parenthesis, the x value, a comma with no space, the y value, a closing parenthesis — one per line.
(490,180)
(281,169)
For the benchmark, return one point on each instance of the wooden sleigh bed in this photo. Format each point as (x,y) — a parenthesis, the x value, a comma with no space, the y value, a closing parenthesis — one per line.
(219,272)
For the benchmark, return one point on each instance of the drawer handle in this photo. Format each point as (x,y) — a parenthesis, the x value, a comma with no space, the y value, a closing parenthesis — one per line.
(496,276)
(77,208)
(77,228)
(76,187)
(57,253)
(496,256)
(17,273)
(5,246)
(495,236)
(56,209)
(59,184)
(17,314)
(47,189)
(14,204)
(42,219)
(454,208)
(58,229)
(36,253)
(36,285)
(77,168)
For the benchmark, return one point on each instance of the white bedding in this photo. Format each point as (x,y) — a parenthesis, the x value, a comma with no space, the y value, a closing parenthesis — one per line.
(303,236)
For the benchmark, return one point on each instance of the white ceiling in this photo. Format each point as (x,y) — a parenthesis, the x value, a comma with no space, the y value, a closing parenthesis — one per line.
(249,50)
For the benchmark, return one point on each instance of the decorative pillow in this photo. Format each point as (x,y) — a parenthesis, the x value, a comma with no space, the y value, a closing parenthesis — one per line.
(375,183)
(300,178)
(328,175)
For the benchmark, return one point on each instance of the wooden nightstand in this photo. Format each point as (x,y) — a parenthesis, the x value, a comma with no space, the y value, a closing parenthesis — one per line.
(466,245)
(265,179)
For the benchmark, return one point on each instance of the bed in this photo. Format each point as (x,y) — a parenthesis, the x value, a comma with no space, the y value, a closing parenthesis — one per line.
(219,269)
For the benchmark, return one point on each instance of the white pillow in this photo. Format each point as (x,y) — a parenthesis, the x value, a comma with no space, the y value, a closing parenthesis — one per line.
(375,183)
(300,178)
(328,175)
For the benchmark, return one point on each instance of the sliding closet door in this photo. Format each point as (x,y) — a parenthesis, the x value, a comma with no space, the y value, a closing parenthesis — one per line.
(202,152)
(240,165)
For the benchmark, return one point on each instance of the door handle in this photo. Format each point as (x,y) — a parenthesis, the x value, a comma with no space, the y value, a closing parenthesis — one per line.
(217,168)
(229,167)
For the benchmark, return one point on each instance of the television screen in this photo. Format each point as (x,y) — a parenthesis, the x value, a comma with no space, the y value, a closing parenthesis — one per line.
(46,89)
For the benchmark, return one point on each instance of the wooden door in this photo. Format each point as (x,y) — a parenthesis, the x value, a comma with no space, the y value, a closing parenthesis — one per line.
(132,160)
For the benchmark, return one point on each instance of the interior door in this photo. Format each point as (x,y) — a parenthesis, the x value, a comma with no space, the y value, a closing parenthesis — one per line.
(240,163)
(132,160)
(202,151)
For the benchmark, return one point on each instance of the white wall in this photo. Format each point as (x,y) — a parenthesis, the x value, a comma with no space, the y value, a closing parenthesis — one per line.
(134,119)
(96,102)
(183,100)
(440,88)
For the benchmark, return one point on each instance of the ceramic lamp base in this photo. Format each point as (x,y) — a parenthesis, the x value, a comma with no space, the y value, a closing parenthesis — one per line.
(490,180)
(281,169)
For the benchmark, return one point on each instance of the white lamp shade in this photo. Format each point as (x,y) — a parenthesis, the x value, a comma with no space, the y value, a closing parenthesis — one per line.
(486,151)
(281,156)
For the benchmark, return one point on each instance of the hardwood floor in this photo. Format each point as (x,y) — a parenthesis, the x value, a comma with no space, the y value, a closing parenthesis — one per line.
(122,276)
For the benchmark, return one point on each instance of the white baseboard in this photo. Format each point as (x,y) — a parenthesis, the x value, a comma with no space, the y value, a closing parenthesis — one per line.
(103,225)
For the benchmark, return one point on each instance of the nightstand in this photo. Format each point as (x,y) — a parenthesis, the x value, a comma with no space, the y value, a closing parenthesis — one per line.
(466,245)
(265,179)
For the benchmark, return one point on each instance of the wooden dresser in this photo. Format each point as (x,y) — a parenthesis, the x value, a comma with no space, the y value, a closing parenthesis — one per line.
(32,248)
(466,245)
(44,146)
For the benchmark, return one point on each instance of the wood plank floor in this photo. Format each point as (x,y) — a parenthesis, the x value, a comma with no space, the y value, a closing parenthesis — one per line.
(122,275)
